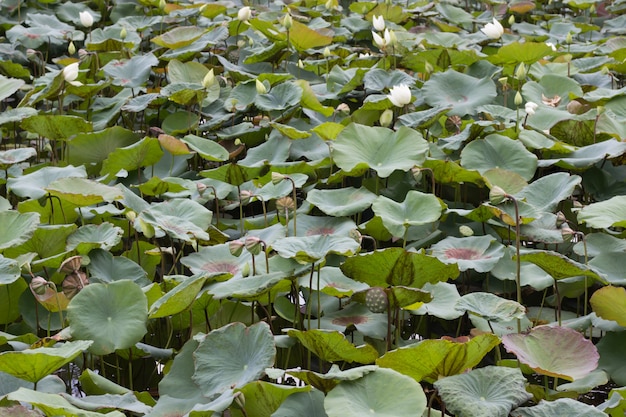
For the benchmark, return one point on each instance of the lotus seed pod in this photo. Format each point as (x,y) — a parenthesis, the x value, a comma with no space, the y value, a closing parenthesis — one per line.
(253,245)
(38,285)
(466,230)
(285,203)
(376,300)
(235,247)
(277,177)
(497,195)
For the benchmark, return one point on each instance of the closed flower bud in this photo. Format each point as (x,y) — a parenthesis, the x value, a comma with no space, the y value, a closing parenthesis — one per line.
(287,21)
(209,79)
(86,19)
(131,216)
(70,73)
(518,99)
(253,245)
(520,72)
(235,247)
(244,14)
(260,87)
(379,23)
(466,231)
(327,52)
(511,20)
(123,33)
(343,108)
(386,118)
(71,49)
(300,64)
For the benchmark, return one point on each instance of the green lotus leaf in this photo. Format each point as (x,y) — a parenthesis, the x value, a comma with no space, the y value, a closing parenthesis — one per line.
(604,214)
(332,346)
(442,305)
(180,218)
(586,156)
(370,324)
(558,265)
(14,156)
(492,391)
(217,258)
(552,86)
(561,407)
(83,191)
(91,236)
(584,385)
(310,101)
(47,242)
(113,315)
(383,392)
(34,364)
(417,209)
(89,150)
(309,249)
(264,398)
(57,127)
(55,404)
(232,356)
(611,266)
(144,153)
(360,147)
(235,174)
(328,381)
(178,298)
(449,172)
(280,97)
(10,309)
(33,185)
(127,402)
(333,282)
(206,148)
(93,383)
(10,270)
(609,303)
(8,86)
(302,37)
(178,37)
(310,404)
(460,92)
(431,359)
(396,266)
(322,225)
(554,351)
(531,274)
(17,228)
(490,306)
(106,268)
(548,191)
(612,356)
(497,151)
(480,253)
(516,52)
(133,72)
(246,288)
(180,122)
(512,183)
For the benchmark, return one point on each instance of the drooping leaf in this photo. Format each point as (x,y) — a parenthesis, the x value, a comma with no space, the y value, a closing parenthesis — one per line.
(604,214)
(561,407)
(56,127)
(91,236)
(332,346)
(33,185)
(490,306)
(609,303)
(309,249)
(417,209)
(133,72)
(144,153)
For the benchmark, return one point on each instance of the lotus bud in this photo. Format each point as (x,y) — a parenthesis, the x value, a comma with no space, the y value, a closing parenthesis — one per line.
(277,177)
(31,53)
(466,231)
(71,49)
(70,73)
(428,67)
(518,99)
(245,196)
(511,20)
(356,235)
(504,81)
(245,270)
(329,5)
(520,72)
(300,64)
(244,14)
(379,23)
(493,30)
(260,87)
(386,118)
(131,216)
(392,38)
(209,79)
(86,19)
(530,108)
(287,21)
(253,245)
(238,142)
(146,228)
(240,400)
(568,38)
(38,285)
(250,42)
(123,33)
(343,108)
(567,232)
(162,4)
(497,195)
(560,219)
(327,52)
(605,70)
(592,8)
(236,247)
(241,43)
(201,188)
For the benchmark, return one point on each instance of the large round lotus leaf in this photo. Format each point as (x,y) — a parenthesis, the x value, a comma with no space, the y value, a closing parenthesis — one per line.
(333,282)
(417,209)
(144,153)
(370,324)
(263,398)
(322,225)
(16,115)
(431,359)
(302,37)
(341,202)
(445,296)
(611,265)
(309,249)
(329,380)
(554,351)
(613,356)
(333,346)
(310,404)
(179,298)
(8,86)
(587,156)
(33,185)
(604,214)
(558,265)
(480,253)
(562,407)
(131,73)
(490,306)
(249,288)
(56,127)
(280,97)
(106,268)
(609,303)
(112,315)
(180,218)
(211,259)
(83,191)
(548,191)
(55,404)
(382,393)
(206,148)
(497,151)
(17,228)
(459,92)
(232,356)
(14,156)
(597,243)
(34,364)
(556,88)
(360,147)
(91,149)
(91,236)
(492,391)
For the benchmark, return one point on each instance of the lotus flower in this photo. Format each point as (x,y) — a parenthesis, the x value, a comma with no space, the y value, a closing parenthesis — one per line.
(70,73)
(244,14)
(379,23)
(86,19)
(399,95)
(493,30)
(530,108)
(382,42)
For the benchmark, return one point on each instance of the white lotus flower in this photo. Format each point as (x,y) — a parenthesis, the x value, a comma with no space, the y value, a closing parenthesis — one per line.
(493,30)
(86,19)
(382,42)
(379,23)
(400,95)
(244,14)
(70,73)
(551,45)
(530,108)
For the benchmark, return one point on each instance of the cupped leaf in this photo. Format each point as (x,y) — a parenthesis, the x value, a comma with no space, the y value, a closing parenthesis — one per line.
(417,209)
(89,150)
(232,356)
(206,148)
(360,147)
(112,315)
(218,258)
(332,346)
(8,86)
(342,201)
(383,393)
(460,92)
(34,364)
(492,391)
(497,151)
(179,298)
(480,253)
(83,191)
(434,358)
(554,351)
(280,97)
(490,306)
(180,218)
(144,153)
(91,236)
(309,249)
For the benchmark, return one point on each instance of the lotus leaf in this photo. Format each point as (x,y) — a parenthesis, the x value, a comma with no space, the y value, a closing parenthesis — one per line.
(309,403)
(490,306)
(370,324)
(341,202)
(554,351)
(480,253)
(17,228)
(416,210)
(460,92)
(144,153)
(328,381)
(310,249)
(14,156)
(57,127)
(492,391)
(609,303)
(445,296)
(383,392)
(561,407)
(332,346)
